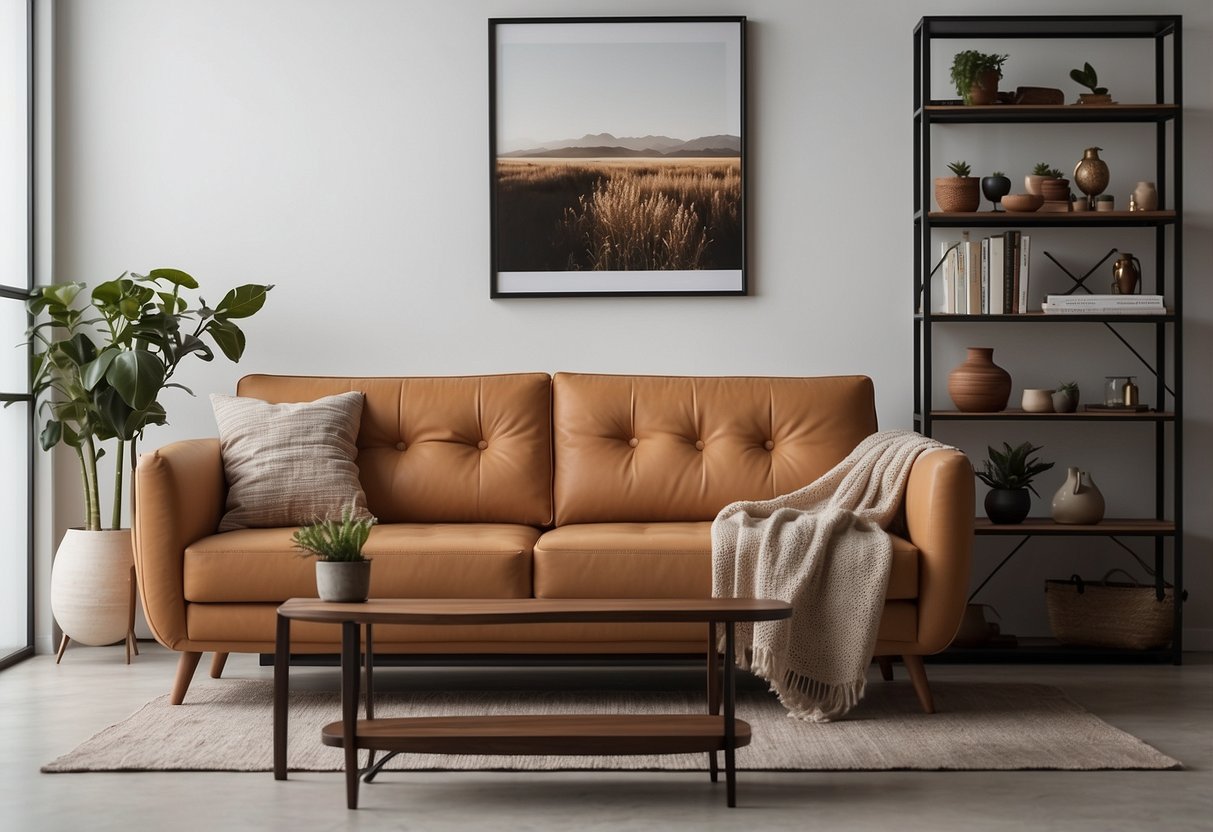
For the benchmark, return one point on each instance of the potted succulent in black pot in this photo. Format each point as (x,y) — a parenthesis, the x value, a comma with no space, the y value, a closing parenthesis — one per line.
(343,573)
(995,187)
(976,76)
(1009,474)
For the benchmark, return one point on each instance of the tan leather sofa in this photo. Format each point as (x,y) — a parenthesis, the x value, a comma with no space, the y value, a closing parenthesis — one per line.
(527,485)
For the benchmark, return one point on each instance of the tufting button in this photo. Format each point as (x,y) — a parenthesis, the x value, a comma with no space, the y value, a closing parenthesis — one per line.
(633,442)
(482,444)
(699,444)
(769,445)
(400,446)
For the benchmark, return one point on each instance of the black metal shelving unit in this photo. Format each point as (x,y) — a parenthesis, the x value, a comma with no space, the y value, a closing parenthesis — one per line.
(1166,418)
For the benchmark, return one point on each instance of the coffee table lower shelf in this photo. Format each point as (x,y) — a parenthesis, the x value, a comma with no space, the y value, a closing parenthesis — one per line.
(569,734)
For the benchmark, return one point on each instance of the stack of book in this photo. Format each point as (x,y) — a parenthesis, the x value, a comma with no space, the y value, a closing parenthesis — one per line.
(988,277)
(1103,305)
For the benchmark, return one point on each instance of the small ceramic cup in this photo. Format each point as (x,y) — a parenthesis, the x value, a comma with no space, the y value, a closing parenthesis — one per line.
(1037,400)
(1103,204)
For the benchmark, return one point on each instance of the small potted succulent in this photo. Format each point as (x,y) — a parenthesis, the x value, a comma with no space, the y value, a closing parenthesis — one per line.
(976,76)
(995,187)
(1055,187)
(1088,78)
(959,192)
(1065,397)
(343,574)
(1009,473)
(1042,171)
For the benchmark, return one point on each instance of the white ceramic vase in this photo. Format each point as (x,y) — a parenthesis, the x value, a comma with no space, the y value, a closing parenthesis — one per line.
(91,585)
(1078,501)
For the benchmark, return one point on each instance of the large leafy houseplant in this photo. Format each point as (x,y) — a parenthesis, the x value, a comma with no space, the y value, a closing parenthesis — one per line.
(101,360)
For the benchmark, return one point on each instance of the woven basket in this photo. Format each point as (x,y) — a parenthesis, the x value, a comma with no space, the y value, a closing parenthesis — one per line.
(1109,613)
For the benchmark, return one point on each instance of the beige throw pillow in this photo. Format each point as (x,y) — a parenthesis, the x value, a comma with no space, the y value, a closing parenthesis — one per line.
(289,464)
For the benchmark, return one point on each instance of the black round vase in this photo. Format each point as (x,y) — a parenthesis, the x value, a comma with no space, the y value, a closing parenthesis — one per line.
(995,188)
(1007,506)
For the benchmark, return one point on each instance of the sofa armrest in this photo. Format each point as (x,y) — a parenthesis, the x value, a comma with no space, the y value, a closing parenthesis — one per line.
(179,497)
(939,518)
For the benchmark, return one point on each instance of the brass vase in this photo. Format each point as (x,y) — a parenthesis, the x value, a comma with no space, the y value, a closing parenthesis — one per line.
(1091,173)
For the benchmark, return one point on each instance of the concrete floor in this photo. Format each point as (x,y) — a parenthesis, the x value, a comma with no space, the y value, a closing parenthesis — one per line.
(45,710)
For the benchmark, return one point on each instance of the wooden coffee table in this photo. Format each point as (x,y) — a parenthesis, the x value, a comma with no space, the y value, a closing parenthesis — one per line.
(525,734)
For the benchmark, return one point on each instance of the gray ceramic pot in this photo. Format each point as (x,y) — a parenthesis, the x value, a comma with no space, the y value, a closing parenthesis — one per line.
(343,581)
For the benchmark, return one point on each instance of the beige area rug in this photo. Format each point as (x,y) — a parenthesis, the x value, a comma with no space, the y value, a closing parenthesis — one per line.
(227,727)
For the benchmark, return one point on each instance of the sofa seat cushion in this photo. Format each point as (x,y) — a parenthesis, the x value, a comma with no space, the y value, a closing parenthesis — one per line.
(412,560)
(655,560)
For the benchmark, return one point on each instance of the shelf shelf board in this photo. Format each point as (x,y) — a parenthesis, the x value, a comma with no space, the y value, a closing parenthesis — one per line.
(1049,26)
(1039,317)
(1016,414)
(1120,527)
(1046,113)
(1085,219)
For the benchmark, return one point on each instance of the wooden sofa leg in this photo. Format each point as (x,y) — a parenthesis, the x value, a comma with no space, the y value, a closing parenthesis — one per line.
(918,678)
(217,662)
(886,667)
(186,665)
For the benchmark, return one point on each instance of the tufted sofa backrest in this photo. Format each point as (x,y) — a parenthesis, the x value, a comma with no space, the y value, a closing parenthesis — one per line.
(444,449)
(655,448)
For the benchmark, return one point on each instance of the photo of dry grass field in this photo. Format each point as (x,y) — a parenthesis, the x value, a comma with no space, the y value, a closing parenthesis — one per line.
(619,214)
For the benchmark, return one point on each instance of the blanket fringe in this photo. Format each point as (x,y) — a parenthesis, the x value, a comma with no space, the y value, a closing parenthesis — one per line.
(805,698)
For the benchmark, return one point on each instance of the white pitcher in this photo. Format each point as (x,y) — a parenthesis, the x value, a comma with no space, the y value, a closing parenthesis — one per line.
(1078,501)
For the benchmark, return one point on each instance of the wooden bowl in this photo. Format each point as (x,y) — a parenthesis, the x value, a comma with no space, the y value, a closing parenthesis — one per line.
(1022,203)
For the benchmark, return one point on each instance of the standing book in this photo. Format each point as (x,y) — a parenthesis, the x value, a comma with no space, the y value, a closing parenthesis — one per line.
(997,266)
(1025,246)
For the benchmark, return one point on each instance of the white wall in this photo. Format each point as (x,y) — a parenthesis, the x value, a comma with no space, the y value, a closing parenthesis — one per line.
(338,150)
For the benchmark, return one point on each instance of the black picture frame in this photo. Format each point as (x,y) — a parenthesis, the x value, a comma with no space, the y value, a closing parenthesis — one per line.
(584,200)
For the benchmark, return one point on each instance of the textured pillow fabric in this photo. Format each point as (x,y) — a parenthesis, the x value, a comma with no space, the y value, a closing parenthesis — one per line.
(289,464)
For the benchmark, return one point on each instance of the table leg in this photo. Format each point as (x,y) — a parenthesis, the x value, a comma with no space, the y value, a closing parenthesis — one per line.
(370,685)
(713,690)
(282,653)
(730,727)
(349,708)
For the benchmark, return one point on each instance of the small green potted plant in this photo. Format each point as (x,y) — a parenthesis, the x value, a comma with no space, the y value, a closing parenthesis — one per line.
(1009,473)
(1042,171)
(1065,397)
(1088,78)
(343,573)
(960,192)
(976,76)
(995,187)
(1055,187)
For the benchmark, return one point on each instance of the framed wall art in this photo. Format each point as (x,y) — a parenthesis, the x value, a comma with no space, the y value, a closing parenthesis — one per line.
(617,156)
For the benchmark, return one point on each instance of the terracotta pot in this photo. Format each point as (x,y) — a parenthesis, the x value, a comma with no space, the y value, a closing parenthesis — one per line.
(978,385)
(1031,183)
(958,193)
(1055,190)
(91,585)
(985,89)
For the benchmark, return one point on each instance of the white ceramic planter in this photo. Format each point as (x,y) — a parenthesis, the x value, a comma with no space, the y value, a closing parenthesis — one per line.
(91,585)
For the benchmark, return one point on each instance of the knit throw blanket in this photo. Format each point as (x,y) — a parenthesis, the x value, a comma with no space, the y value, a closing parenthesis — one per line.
(823,549)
